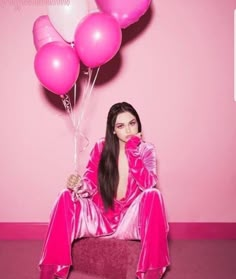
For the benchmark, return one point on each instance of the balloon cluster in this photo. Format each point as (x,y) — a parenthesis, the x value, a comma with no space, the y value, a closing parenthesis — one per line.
(71,33)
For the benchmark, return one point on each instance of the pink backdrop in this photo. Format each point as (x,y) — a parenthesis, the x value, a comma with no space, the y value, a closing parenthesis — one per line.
(177,72)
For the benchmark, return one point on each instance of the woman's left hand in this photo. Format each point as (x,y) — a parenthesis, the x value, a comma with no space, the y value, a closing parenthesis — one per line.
(72,181)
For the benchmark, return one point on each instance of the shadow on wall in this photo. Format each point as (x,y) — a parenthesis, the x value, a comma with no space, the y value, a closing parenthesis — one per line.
(107,71)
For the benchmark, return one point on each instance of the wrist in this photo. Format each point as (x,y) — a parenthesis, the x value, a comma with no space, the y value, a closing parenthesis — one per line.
(133,142)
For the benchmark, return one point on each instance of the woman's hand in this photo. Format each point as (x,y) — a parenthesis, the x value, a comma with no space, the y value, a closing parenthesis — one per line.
(133,143)
(73,181)
(75,184)
(139,135)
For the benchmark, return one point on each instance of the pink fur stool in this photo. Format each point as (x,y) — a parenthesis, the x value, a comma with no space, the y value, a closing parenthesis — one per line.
(105,258)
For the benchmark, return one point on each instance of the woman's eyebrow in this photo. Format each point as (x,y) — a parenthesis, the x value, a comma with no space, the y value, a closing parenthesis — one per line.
(122,123)
(119,123)
(133,120)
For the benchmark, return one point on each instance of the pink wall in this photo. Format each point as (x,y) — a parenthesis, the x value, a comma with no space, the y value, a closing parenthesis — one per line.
(178,73)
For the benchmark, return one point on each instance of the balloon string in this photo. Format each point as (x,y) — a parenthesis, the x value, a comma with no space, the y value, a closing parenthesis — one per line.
(88,92)
(85,95)
(68,107)
(75,134)
(75,96)
(76,151)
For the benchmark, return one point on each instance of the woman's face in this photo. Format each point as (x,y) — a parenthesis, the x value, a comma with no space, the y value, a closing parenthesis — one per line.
(126,126)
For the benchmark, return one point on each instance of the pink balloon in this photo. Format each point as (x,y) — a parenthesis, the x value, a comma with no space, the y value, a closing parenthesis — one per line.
(44,32)
(97,39)
(57,67)
(126,12)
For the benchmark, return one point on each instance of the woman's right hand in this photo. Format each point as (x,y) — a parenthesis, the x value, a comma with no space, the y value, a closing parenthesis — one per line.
(72,181)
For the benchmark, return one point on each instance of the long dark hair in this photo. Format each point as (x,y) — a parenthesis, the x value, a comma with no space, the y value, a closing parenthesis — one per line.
(108,174)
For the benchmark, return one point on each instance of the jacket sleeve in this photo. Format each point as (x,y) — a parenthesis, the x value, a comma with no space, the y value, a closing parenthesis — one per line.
(142,162)
(90,178)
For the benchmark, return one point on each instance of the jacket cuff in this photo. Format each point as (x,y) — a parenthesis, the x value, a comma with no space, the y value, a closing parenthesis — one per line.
(133,143)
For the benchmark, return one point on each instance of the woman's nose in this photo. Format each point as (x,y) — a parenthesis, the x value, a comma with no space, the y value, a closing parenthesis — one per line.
(127,129)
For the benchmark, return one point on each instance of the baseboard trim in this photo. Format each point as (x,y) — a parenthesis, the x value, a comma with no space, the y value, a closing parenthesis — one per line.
(37,231)
(14,231)
(202,230)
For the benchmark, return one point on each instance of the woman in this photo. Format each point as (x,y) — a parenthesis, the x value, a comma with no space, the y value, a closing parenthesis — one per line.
(117,198)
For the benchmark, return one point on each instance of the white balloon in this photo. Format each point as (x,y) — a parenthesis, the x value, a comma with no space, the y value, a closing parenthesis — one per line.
(65,18)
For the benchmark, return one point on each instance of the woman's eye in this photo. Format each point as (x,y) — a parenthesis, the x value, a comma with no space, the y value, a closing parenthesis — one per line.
(132,123)
(119,126)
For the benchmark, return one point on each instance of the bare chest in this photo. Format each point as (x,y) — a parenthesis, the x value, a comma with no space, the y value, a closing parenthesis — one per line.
(123,168)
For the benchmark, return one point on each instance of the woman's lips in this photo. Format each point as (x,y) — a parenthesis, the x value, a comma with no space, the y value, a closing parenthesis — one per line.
(128,137)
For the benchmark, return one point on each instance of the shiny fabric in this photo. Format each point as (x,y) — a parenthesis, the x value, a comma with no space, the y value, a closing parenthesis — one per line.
(140,215)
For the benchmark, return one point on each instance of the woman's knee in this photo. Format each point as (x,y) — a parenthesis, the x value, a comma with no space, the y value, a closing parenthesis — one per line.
(65,193)
(65,197)
(152,192)
(150,196)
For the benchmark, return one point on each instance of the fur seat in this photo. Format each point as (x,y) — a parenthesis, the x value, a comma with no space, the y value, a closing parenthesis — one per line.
(105,258)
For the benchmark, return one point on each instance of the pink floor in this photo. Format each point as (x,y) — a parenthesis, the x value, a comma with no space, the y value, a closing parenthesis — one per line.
(191,259)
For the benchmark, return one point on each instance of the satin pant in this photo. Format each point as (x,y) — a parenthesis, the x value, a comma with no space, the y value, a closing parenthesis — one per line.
(143,220)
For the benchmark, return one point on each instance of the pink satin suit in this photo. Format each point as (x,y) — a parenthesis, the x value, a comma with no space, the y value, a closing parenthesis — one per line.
(140,215)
